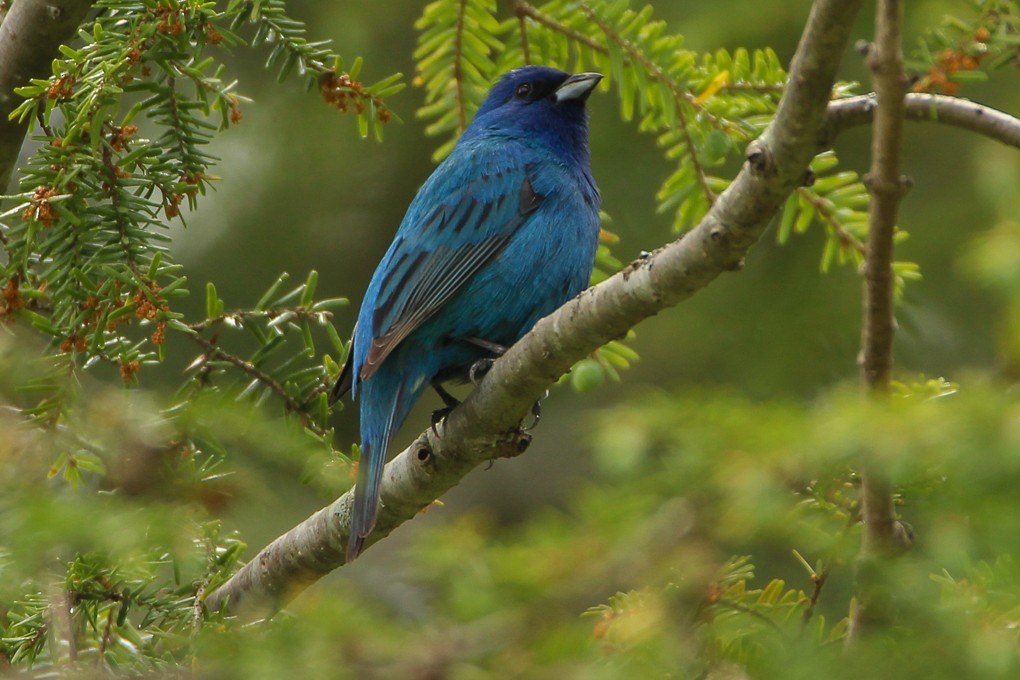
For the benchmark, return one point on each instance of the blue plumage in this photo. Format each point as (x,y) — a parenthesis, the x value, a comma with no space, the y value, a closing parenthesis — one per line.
(501,234)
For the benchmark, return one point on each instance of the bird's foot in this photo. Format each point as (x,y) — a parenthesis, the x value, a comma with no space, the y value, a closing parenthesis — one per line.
(479,369)
(482,366)
(438,416)
(450,402)
(536,412)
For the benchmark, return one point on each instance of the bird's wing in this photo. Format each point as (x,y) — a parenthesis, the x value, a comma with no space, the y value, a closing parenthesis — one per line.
(440,246)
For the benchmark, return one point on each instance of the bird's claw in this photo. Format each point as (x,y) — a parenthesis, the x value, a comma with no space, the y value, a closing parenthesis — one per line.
(479,369)
(450,402)
(536,412)
(438,416)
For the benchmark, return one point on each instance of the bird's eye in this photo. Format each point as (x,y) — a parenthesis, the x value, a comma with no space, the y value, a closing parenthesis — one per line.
(523,90)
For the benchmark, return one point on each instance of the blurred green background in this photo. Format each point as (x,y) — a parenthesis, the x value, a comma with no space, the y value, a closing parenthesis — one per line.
(301,191)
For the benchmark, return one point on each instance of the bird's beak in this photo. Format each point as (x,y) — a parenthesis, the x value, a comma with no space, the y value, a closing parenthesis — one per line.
(577,87)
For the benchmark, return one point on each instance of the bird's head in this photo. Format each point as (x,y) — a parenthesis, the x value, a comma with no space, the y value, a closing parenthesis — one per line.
(540,100)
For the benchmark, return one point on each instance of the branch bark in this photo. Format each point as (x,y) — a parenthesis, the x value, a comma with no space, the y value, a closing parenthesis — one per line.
(882,533)
(485,426)
(928,108)
(887,186)
(30,34)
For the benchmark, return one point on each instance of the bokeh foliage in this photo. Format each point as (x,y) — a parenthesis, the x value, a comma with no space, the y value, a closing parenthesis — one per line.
(123,128)
(716,536)
(640,572)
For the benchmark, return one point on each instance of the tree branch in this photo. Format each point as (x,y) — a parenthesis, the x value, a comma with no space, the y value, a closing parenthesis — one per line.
(928,108)
(29,37)
(887,186)
(485,426)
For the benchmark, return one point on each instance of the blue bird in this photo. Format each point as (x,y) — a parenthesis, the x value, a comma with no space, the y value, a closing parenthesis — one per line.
(503,232)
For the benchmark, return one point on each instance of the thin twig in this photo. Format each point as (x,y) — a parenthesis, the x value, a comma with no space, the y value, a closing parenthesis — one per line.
(292,405)
(819,582)
(929,108)
(524,47)
(458,74)
(107,636)
(239,317)
(732,605)
(523,9)
(325,385)
(760,88)
(887,186)
(113,189)
(823,210)
(680,96)
(242,315)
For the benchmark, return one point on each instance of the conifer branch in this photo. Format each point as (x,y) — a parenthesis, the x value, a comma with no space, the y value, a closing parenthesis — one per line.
(214,351)
(680,97)
(523,9)
(30,34)
(829,218)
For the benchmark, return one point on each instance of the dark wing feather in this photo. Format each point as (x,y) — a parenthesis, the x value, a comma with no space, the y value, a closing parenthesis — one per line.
(346,379)
(430,265)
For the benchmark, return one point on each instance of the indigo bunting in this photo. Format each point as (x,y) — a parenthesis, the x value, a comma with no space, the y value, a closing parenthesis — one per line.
(503,232)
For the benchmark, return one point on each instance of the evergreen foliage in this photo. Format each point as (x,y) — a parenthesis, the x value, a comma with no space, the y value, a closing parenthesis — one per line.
(717,538)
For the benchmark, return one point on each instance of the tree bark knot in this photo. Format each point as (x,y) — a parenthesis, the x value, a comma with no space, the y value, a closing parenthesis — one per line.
(516,443)
(759,158)
(645,258)
(897,188)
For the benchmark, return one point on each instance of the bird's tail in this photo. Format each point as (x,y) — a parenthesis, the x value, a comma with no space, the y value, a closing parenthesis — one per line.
(384,407)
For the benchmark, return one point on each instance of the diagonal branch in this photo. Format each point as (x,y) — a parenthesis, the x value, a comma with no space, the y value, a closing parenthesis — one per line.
(29,37)
(523,9)
(485,426)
